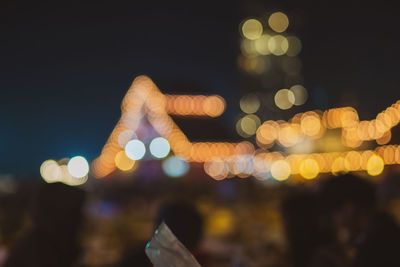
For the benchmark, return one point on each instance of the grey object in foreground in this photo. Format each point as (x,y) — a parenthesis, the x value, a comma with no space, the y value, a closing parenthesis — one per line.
(165,250)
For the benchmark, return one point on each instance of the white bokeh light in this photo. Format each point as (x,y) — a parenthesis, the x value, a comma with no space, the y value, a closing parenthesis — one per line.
(135,149)
(175,167)
(78,167)
(159,147)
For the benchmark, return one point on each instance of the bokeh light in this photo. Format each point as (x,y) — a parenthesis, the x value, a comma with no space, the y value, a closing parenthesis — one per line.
(175,166)
(123,162)
(267,133)
(249,124)
(125,136)
(309,168)
(135,149)
(249,103)
(300,94)
(375,165)
(254,65)
(50,171)
(284,99)
(216,168)
(289,134)
(339,165)
(261,45)
(214,106)
(278,21)
(159,147)
(280,170)
(294,46)
(78,167)
(311,124)
(278,45)
(252,29)
(70,180)
(248,48)
(220,222)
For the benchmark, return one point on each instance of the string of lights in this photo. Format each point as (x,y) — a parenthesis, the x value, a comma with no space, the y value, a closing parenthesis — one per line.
(225,159)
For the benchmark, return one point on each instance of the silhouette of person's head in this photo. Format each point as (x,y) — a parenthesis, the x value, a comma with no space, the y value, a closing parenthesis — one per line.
(57,206)
(53,240)
(348,201)
(300,211)
(184,221)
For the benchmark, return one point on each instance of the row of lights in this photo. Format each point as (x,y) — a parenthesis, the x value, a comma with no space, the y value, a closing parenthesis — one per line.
(72,172)
(313,124)
(198,105)
(135,150)
(275,165)
(284,99)
(310,124)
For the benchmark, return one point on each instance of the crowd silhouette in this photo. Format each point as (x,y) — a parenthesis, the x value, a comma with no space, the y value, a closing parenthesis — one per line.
(339,221)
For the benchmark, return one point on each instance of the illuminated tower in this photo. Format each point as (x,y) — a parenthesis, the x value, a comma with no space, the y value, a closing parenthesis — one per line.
(271,71)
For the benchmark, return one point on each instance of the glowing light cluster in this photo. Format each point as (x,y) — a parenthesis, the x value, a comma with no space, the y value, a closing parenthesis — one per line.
(145,99)
(248,125)
(313,124)
(74,173)
(288,134)
(275,165)
(286,98)
(261,42)
(224,159)
(195,105)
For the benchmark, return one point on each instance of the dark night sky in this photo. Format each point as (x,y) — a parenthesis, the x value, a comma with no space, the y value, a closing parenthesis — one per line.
(65,65)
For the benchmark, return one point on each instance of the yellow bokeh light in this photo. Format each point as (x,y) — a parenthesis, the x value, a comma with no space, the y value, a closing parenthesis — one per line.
(309,168)
(284,99)
(310,125)
(300,94)
(339,165)
(375,165)
(220,222)
(50,171)
(248,47)
(267,133)
(250,103)
(123,162)
(278,45)
(249,124)
(278,21)
(280,170)
(289,134)
(261,45)
(353,161)
(385,138)
(252,29)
